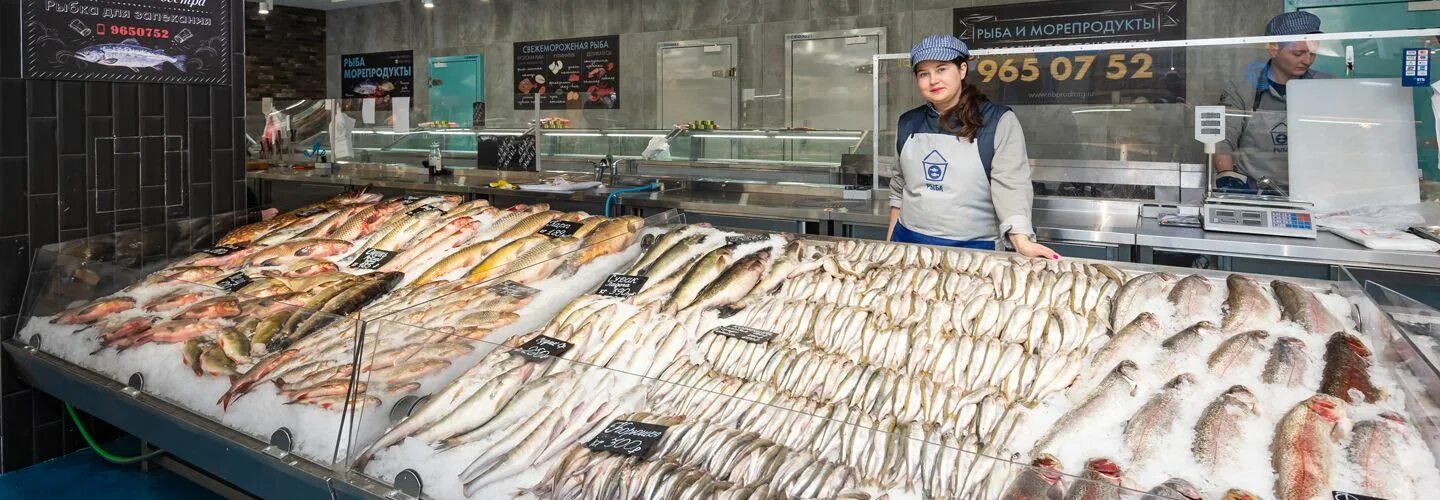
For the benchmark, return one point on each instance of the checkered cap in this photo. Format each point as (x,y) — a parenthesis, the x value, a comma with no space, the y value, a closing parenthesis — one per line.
(938,48)
(1293,23)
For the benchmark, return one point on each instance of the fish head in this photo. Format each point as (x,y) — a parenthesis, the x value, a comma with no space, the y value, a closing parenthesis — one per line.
(1327,407)
(1393,417)
(1350,342)
(1239,395)
(1238,494)
(1180,381)
(1129,373)
(1182,487)
(1105,467)
(90,54)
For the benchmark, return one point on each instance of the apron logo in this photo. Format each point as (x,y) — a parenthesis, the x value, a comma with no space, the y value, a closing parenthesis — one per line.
(1280,135)
(935,166)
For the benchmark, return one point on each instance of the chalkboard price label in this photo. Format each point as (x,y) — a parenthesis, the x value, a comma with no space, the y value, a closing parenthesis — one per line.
(749,238)
(371,259)
(509,288)
(1341,495)
(622,285)
(222,250)
(752,335)
(421,210)
(310,212)
(233,282)
(628,438)
(411,199)
(560,228)
(542,348)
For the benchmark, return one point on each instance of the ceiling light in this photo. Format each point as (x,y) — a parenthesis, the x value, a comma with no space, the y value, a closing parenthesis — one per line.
(265,6)
(429,4)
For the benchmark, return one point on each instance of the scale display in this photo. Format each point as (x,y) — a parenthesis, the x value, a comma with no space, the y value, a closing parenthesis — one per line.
(1274,221)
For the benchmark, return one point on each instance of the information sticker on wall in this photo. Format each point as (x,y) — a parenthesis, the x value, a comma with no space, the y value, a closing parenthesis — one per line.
(1416,69)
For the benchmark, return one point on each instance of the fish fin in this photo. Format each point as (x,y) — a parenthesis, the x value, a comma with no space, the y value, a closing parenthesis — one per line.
(130,41)
(137,70)
(179,63)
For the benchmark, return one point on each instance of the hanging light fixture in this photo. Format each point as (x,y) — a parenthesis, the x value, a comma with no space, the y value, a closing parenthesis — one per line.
(429,4)
(265,6)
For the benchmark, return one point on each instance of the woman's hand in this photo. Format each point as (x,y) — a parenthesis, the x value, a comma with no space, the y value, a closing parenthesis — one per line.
(1024,246)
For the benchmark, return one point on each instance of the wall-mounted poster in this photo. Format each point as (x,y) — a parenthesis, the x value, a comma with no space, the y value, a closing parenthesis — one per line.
(165,41)
(377,75)
(1089,77)
(575,73)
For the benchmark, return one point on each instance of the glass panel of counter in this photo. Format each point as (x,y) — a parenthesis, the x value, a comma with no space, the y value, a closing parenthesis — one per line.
(1119,121)
(864,346)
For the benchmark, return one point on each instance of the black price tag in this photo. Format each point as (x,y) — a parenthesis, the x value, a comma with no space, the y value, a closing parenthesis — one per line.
(542,348)
(745,333)
(421,210)
(222,250)
(411,199)
(627,438)
(559,228)
(310,212)
(1340,495)
(233,282)
(749,238)
(371,259)
(622,285)
(509,288)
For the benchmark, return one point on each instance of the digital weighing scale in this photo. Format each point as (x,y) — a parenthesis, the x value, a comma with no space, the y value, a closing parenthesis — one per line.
(1268,215)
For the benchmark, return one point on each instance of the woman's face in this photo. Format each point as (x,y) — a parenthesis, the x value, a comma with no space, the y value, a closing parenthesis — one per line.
(939,81)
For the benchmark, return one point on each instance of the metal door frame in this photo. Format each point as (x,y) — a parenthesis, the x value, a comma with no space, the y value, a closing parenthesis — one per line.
(479,77)
(734,44)
(814,35)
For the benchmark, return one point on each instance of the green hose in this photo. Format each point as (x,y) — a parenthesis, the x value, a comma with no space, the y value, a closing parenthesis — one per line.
(101,451)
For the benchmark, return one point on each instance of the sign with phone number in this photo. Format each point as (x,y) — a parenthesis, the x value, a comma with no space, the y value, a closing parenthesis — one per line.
(1089,77)
(161,41)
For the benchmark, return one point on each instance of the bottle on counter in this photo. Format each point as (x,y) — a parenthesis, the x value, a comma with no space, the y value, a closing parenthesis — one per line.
(436,160)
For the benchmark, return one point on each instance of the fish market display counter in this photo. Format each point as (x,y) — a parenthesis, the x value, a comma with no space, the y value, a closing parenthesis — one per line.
(428,346)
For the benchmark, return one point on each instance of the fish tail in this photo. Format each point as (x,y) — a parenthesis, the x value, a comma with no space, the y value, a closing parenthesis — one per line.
(179,63)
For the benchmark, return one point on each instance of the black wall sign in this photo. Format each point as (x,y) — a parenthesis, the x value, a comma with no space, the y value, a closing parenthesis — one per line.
(622,285)
(1089,77)
(627,438)
(568,74)
(371,259)
(222,250)
(378,75)
(163,41)
(542,348)
(560,228)
(233,282)
(752,335)
(509,288)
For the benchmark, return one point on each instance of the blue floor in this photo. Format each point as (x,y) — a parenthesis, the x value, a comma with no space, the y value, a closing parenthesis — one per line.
(84,475)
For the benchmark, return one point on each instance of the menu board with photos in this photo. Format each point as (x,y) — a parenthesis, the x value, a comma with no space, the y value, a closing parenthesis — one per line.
(377,75)
(574,73)
(158,41)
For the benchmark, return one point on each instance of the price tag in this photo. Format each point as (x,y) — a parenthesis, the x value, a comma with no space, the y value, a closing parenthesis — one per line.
(509,288)
(411,199)
(560,228)
(622,285)
(752,335)
(627,438)
(542,348)
(371,259)
(233,282)
(310,212)
(1209,124)
(421,210)
(1340,495)
(222,250)
(749,238)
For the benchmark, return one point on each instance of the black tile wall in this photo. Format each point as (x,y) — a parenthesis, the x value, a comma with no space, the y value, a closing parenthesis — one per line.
(72,165)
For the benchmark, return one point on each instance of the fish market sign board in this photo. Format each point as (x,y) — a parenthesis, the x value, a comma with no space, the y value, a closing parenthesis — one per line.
(574,73)
(378,75)
(158,41)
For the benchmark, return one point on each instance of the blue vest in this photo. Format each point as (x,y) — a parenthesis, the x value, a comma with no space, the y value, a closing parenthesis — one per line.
(926,120)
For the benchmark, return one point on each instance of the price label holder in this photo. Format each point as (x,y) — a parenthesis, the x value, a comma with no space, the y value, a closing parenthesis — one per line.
(222,250)
(749,238)
(542,348)
(371,259)
(233,282)
(751,335)
(622,285)
(421,210)
(560,228)
(1341,495)
(856,193)
(410,199)
(310,212)
(628,438)
(509,288)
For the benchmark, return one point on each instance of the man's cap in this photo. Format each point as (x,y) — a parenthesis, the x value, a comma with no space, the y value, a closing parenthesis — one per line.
(938,48)
(1293,23)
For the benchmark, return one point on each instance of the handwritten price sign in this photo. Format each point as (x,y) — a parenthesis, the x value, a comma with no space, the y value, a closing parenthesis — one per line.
(627,438)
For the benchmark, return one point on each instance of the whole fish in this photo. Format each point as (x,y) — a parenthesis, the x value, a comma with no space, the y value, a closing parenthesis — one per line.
(606,238)
(1194,295)
(486,402)
(315,377)
(130,54)
(1121,385)
(268,327)
(733,284)
(1173,489)
(285,253)
(93,311)
(498,262)
(179,274)
(1299,305)
(214,362)
(1247,307)
(402,374)
(463,258)
(235,345)
(307,267)
(678,257)
(1236,351)
(1303,450)
(1376,448)
(175,331)
(1101,481)
(705,271)
(192,350)
(224,306)
(242,385)
(1218,431)
(1287,363)
(1136,333)
(1152,422)
(662,245)
(1043,480)
(339,401)
(175,300)
(1347,370)
(109,334)
(1181,347)
(1130,300)
(454,232)
(542,261)
(367,221)
(333,387)
(528,225)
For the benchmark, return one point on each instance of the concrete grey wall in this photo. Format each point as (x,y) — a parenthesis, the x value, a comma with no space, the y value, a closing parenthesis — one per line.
(489,27)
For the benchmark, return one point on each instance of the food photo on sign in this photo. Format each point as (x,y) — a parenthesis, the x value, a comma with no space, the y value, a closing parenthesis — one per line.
(574,73)
(115,40)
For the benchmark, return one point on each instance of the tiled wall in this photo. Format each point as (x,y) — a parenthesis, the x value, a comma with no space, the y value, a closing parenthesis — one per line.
(284,53)
(57,183)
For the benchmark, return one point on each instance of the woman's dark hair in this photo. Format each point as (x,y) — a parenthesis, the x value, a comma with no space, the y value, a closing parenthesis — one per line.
(964,119)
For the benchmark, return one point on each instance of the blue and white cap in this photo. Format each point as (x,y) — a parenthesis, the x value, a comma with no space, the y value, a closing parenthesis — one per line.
(1293,23)
(938,48)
